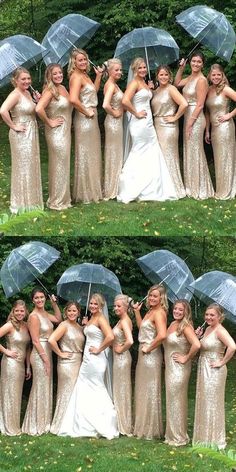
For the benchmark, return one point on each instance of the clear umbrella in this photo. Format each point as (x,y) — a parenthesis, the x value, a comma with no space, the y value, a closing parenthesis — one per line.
(165,267)
(157,46)
(80,281)
(218,287)
(211,28)
(65,34)
(24,264)
(16,51)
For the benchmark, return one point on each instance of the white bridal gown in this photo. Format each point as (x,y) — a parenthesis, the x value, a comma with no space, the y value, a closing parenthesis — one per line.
(145,175)
(90,411)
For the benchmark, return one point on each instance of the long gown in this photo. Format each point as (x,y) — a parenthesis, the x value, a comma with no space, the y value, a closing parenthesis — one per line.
(67,370)
(209,420)
(90,412)
(148,414)
(122,390)
(197,178)
(88,159)
(176,380)
(145,175)
(12,381)
(26,187)
(163,105)
(113,153)
(39,409)
(224,147)
(59,146)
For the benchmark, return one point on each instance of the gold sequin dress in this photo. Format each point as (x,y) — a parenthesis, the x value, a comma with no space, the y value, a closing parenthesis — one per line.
(197,178)
(113,154)
(148,414)
(176,380)
(168,134)
(26,187)
(59,146)
(209,421)
(39,409)
(67,370)
(12,381)
(224,146)
(88,160)
(122,390)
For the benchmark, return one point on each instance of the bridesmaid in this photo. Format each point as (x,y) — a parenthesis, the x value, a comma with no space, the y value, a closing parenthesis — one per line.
(196,173)
(88,160)
(55,110)
(15,367)
(18,112)
(217,348)
(152,332)
(39,409)
(67,341)
(222,135)
(122,390)
(112,104)
(168,105)
(180,345)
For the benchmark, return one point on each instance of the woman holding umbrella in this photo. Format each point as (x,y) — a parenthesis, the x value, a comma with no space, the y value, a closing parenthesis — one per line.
(197,178)
(18,112)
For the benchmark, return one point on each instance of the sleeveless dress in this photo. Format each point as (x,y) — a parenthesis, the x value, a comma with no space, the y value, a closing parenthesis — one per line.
(145,175)
(168,135)
(12,381)
(113,153)
(39,409)
(224,147)
(148,414)
(122,390)
(88,160)
(197,178)
(26,187)
(176,380)
(67,370)
(209,420)
(59,147)
(90,411)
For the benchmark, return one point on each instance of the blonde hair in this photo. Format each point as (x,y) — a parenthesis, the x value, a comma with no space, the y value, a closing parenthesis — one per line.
(48,80)
(99,299)
(187,318)
(167,69)
(72,66)
(218,309)
(110,63)
(16,74)
(68,305)
(161,289)
(136,63)
(11,317)
(125,301)
(224,81)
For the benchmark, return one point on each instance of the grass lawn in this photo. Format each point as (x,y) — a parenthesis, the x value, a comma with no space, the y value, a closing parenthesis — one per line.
(54,454)
(183,217)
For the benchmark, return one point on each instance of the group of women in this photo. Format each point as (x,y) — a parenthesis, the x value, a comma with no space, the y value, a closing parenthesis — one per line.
(149,169)
(94,396)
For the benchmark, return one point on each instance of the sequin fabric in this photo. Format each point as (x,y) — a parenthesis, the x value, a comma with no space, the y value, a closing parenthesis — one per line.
(59,148)
(197,178)
(209,421)
(168,134)
(39,409)
(224,147)
(26,187)
(12,380)
(67,370)
(148,415)
(113,154)
(88,159)
(122,390)
(176,381)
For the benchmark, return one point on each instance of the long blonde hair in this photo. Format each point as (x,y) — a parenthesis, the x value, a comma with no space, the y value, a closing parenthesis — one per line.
(11,317)
(187,318)
(48,81)
(161,289)
(224,81)
(136,63)
(99,299)
(72,66)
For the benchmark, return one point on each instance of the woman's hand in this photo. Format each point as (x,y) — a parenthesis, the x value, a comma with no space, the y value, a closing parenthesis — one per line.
(199,332)
(36,96)
(169,119)
(145,349)
(11,353)
(182,63)
(28,373)
(180,358)
(151,85)
(47,366)
(223,118)
(94,350)
(189,129)
(215,364)
(141,114)
(55,122)
(117,113)
(207,137)
(90,113)
(66,355)
(118,348)
(19,128)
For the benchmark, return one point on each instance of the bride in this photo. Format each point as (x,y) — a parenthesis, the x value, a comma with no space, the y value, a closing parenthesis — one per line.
(90,411)
(145,175)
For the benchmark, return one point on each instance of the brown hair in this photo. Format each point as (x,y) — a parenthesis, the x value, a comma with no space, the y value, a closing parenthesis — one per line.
(161,289)
(16,74)
(197,54)
(72,66)
(68,305)
(187,318)
(167,69)
(11,317)
(224,81)
(48,80)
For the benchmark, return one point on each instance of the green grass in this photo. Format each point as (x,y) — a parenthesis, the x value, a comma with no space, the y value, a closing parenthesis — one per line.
(57,454)
(183,217)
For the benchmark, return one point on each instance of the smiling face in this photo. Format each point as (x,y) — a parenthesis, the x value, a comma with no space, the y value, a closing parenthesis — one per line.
(212,317)
(154,298)
(39,299)
(119,308)
(23,81)
(141,70)
(115,72)
(19,312)
(94,306)
(178,311)
(81,62)
(163,77)
(196,64)
(57,75)
(216,76)
(72,312)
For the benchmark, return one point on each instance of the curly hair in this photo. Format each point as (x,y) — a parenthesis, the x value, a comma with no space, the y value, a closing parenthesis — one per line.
(12,318)
(224,81)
